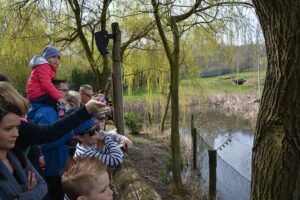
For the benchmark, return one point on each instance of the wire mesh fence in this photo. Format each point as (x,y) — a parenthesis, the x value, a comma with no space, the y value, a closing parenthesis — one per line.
(203,162)
(230,184)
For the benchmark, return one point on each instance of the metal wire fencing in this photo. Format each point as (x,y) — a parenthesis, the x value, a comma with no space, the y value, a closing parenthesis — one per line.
(220,180)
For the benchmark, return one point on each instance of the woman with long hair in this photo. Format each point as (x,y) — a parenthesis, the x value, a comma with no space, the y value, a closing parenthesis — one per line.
(18,178)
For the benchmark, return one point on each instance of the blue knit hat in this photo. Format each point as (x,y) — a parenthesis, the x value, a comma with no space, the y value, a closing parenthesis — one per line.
(84,126)
(50,51)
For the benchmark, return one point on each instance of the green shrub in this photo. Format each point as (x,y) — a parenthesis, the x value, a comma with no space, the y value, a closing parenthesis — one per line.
(165,175)
(133,122)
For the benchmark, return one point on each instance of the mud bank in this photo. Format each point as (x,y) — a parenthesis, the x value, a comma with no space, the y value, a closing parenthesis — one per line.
(246,106)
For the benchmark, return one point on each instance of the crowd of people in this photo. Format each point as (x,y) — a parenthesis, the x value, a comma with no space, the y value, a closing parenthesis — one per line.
(53,142)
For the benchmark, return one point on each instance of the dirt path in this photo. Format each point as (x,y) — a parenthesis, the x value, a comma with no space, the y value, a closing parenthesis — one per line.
(150,156)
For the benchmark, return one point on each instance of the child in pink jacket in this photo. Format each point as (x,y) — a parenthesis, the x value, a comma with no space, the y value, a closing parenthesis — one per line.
(39,87)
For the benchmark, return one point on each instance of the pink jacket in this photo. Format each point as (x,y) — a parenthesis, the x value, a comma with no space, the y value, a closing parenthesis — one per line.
(39,82)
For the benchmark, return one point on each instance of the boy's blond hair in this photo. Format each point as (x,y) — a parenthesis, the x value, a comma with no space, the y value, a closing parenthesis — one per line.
(79,177)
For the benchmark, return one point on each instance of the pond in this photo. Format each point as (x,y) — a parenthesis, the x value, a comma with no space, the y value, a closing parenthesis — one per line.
(232,137)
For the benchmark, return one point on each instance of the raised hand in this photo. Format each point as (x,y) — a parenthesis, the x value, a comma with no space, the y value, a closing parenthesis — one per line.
(94,106)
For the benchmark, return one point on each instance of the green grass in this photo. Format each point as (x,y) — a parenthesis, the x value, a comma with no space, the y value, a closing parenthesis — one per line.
(224,83)
(214,85)
(136,95)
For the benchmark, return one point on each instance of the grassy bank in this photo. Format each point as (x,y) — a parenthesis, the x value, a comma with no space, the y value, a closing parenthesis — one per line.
(223,84)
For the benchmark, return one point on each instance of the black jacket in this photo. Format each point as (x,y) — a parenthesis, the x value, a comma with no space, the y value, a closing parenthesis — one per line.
(30,134)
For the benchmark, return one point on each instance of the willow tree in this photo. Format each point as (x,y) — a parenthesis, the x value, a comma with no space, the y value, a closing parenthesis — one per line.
(19,39)
(80,10)
(173,58)
(175,22)
(73,22)
(132,35)
(276,152)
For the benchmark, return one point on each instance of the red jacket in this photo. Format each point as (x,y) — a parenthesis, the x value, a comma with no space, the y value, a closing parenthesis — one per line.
(39,82)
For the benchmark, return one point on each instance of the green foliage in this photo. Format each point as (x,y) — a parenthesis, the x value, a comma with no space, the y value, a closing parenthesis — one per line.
(134,122)
(165,172)
(19,42)
(81,76)
(165,175)
(136,95)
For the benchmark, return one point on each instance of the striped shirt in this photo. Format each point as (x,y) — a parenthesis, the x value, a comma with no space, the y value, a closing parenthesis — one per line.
(110,154)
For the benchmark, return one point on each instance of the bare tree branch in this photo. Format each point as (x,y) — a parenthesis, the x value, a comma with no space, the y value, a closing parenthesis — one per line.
(137,36)
(186,15)
(161,31)
(223,4)
(144,70)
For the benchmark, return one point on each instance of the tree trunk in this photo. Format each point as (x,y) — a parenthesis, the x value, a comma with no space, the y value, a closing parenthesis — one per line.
(276,151)
(173,58)
(162,123)
(101,77)
(106,72)
(175,137)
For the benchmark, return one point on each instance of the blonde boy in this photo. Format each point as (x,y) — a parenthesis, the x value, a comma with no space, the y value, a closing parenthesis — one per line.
(86,179)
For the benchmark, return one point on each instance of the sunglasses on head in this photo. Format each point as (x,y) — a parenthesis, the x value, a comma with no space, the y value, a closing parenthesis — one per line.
(92,132)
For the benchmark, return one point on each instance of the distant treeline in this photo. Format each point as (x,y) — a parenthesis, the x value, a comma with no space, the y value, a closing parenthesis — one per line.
(216,72)
(228,59)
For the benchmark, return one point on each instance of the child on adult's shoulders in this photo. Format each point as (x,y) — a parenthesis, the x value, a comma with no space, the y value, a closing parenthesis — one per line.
(39,87)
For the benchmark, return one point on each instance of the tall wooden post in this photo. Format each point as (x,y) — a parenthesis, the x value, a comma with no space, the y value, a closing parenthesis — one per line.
(212,156)
(149,119)
(194,142)
(117,79)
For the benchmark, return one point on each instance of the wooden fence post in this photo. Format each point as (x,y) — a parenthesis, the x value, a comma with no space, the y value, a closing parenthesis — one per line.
(212,156)
(194,142)
(149,118)
(117,79)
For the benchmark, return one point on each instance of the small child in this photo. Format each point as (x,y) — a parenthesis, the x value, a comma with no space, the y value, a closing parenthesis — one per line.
(86,178)
(95,143)
(73,101)
(39,88)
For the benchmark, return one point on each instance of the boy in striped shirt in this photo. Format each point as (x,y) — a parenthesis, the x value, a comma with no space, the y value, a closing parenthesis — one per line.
(95,143)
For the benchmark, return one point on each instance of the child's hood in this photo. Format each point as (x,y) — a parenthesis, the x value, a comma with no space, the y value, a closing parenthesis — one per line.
(37,60)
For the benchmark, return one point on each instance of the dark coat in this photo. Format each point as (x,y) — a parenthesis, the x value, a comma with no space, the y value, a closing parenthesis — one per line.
(14,186)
